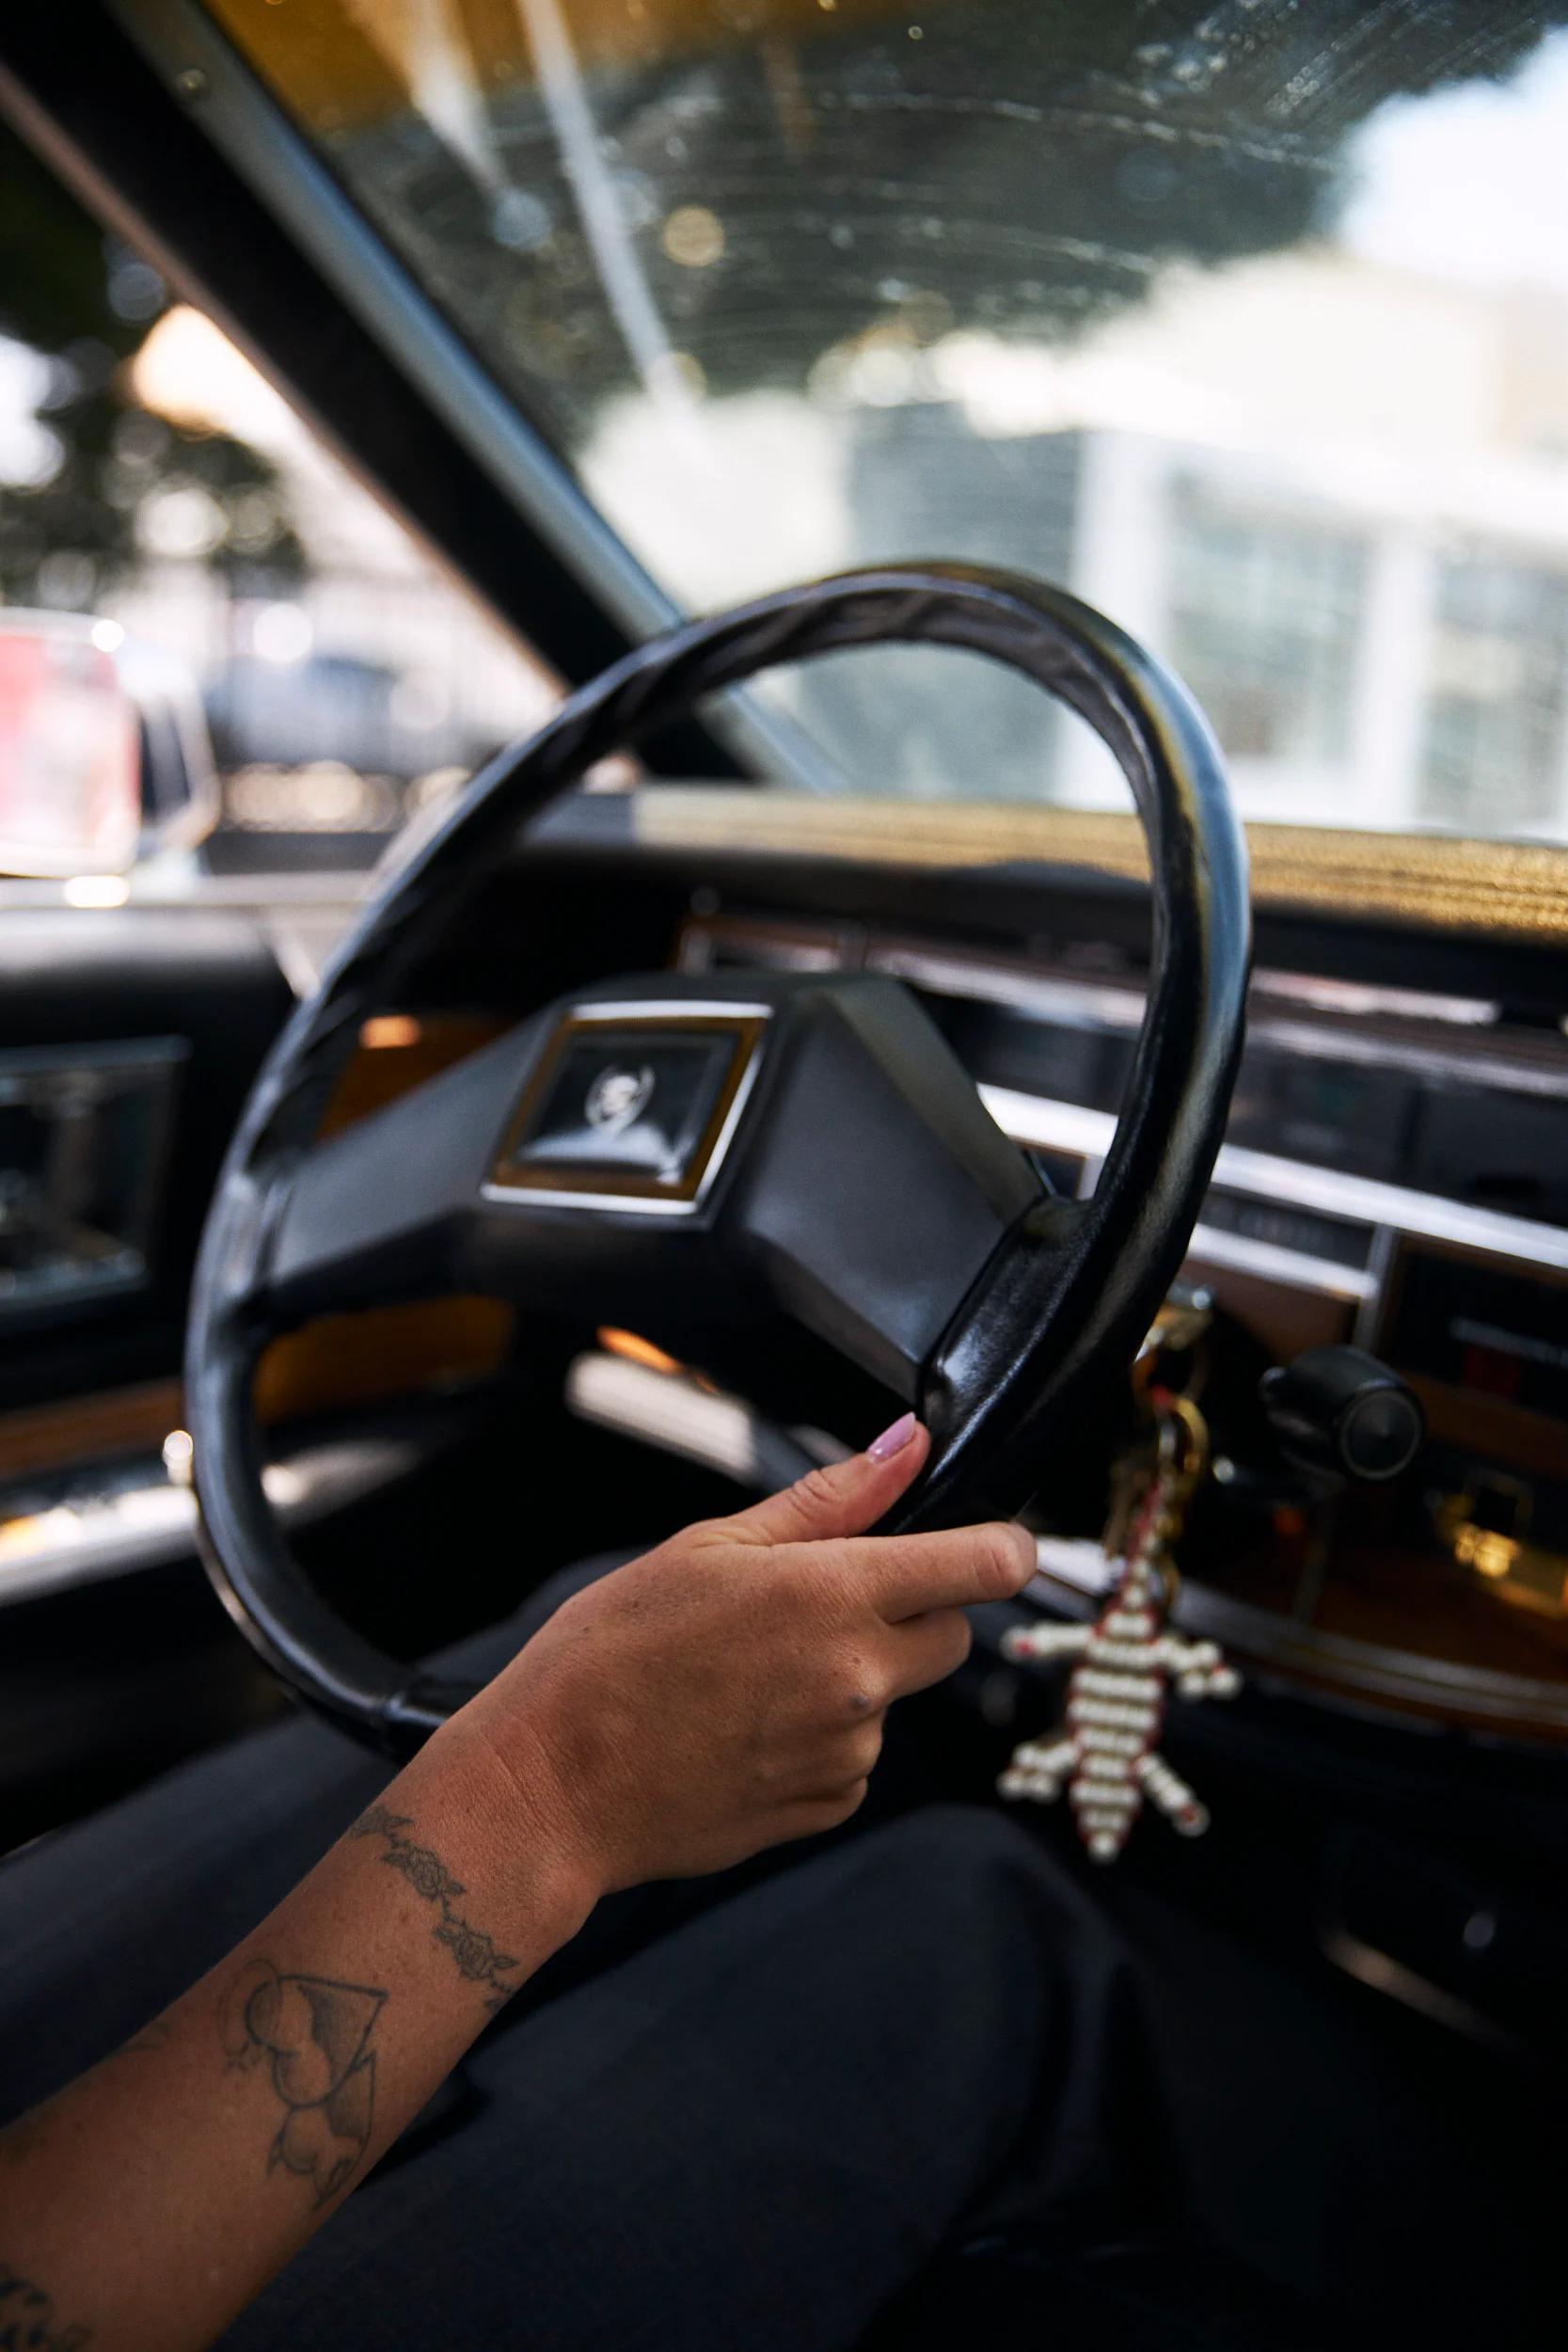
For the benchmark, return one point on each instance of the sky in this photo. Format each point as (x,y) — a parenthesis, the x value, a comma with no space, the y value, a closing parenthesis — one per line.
(1470,183)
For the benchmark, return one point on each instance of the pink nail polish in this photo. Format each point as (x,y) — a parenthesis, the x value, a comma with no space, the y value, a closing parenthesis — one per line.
(894,1439)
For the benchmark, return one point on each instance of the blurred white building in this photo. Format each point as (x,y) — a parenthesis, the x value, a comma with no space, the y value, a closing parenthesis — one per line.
(1333,494)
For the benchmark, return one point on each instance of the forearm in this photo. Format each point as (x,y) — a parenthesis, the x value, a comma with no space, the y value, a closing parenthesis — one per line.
(153,2197)
(722,1694)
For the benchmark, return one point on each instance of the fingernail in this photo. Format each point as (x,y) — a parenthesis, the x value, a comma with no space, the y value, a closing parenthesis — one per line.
(893,1438)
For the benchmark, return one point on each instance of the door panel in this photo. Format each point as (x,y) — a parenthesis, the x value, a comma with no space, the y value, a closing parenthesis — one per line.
(128,1039)
(201,994)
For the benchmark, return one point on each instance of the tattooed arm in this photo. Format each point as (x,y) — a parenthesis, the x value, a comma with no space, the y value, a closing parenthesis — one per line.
(146,2203)
(722,1694)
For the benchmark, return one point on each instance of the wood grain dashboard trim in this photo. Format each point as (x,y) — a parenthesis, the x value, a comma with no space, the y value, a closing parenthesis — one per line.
(1498,888)
(87,1428)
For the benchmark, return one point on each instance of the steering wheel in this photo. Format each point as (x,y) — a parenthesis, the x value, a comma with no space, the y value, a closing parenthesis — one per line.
(696,1151)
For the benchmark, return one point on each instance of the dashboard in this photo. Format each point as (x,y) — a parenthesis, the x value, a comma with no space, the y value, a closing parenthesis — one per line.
(1396,1174)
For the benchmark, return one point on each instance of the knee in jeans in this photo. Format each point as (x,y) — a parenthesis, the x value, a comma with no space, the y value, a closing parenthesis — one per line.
(977,1863)
(960,1842)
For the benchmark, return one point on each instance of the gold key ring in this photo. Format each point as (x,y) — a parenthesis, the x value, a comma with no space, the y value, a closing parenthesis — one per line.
(1182,1457)
(1183,1437)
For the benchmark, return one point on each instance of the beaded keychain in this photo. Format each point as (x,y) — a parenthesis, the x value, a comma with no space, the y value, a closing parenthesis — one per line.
(1118,1693)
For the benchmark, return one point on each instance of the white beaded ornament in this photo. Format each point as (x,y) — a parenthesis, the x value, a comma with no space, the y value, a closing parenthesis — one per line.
(1115,1699)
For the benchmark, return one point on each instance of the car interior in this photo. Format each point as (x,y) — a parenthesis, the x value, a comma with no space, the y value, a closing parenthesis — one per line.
(883,981)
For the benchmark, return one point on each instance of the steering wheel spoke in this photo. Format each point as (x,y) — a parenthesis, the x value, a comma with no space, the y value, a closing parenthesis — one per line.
(877,1186)
(390,1207)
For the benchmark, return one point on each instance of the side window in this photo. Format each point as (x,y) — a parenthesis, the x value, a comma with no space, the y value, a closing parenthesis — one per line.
(151,482)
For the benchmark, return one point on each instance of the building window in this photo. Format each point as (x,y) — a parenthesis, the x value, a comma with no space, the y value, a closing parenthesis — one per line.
(930,723)
(1265,616)
(1493,754)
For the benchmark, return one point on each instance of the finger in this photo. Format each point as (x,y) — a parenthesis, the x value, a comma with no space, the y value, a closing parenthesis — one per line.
(904,1576)
(825,1759)
(840,1499)
(927,1649)
(835,1764)
(808,1817)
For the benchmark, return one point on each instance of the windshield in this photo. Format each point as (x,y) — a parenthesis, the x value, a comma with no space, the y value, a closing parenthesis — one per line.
(1250,322)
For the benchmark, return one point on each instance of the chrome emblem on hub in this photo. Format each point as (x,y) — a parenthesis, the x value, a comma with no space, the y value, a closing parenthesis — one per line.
(617,1097)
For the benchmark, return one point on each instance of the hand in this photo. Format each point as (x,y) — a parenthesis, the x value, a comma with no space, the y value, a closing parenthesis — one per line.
(727,1691)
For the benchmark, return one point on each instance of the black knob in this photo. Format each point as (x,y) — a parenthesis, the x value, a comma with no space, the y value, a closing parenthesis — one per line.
(1339,1412)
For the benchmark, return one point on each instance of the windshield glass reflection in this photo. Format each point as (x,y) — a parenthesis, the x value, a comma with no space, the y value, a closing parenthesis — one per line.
(1248,323)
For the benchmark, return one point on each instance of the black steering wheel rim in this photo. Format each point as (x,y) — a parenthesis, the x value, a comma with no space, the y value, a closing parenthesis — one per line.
(1056,1314)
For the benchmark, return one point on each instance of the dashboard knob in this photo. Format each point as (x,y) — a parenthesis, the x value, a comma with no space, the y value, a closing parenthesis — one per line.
(1339,1412)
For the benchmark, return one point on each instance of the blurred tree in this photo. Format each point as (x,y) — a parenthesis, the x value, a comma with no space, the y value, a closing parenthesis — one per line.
(99,468)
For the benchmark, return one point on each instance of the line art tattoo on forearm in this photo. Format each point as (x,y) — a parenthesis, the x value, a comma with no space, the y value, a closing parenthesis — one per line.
(312,2034)
(474,1952)
(27,2318)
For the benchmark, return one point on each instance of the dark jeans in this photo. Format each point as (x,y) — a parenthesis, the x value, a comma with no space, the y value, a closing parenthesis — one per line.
(753,2128)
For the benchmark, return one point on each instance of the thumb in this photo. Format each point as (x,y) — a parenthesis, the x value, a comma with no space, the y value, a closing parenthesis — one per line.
(842,1498)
